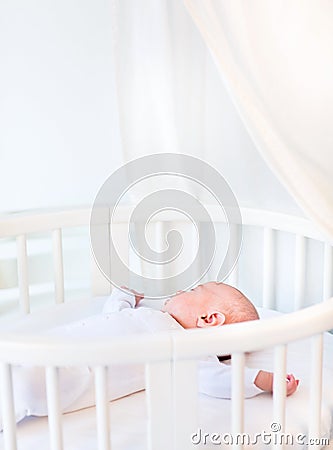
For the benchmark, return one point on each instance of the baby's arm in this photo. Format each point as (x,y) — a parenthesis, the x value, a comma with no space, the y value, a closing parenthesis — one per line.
(264,381)
(215,380)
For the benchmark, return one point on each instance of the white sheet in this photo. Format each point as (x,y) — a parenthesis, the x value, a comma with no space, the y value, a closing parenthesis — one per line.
(128,415)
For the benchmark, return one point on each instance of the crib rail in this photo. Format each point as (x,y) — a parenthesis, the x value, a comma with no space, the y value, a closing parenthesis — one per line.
(16,224)
(179,351)
(22,225)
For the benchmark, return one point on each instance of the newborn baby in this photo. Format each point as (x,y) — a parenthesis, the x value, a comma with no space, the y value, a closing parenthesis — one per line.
(215,304)
(208,305)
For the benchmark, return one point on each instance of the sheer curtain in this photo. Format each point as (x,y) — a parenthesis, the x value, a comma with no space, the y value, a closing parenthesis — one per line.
(170,98)
(160,73)
(276,60)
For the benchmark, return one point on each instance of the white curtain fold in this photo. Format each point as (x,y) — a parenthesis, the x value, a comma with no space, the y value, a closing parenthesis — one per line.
(170,98)
(151,71)
(276,59)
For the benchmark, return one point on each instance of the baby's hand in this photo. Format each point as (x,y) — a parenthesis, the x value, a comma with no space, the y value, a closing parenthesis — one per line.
(292,384)
(264,381)
(138,296)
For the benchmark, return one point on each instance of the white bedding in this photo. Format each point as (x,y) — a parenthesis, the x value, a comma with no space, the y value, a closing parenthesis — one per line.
(128,415)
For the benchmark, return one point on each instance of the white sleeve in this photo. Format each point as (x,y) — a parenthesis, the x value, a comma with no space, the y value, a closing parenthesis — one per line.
(215,379)
(119,300)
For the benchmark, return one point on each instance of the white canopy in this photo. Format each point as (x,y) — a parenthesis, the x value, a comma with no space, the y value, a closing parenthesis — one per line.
(275,59)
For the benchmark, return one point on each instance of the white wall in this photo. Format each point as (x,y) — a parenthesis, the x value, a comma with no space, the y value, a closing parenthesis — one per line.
(59,136)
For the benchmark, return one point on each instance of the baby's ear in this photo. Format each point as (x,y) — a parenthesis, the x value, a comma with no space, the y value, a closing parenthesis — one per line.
(213,319)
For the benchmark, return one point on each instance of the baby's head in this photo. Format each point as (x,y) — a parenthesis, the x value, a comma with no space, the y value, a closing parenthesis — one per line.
(210,304)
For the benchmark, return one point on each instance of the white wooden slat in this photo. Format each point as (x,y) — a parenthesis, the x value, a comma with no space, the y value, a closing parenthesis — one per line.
(159,400)
(159,245)
(8,411)
(119,237)
(237,397)
(189,258)
(100,285)
(53,407)
(279,392)
(22,270)
(58,266)
(153,236)
(206,268)
(316,386)
(196,258)
(185,408)
(160,271)
(166,270)
(328,272)
(233,277)
(102,408)
(268,268)
(300,266)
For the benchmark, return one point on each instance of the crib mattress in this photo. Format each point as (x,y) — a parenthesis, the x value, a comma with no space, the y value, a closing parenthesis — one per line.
(128,414)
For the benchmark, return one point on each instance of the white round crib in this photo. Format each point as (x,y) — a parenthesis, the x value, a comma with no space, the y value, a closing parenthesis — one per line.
(169,415)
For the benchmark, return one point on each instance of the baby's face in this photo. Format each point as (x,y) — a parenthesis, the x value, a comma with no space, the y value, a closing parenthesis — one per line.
(187,307)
